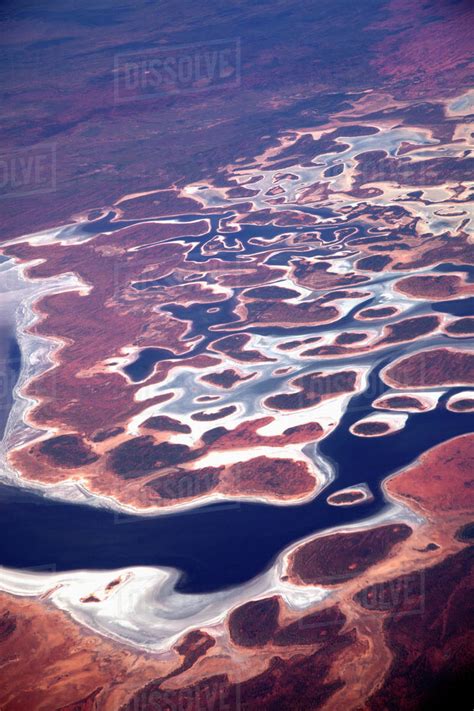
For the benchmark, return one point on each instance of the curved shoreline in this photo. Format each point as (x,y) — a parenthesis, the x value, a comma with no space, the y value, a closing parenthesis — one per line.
(116,614)
(79,490)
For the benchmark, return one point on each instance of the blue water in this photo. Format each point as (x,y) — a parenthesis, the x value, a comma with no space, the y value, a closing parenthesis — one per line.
(10,365)
(456,307)
(221,545)
(201,324)
(448,267)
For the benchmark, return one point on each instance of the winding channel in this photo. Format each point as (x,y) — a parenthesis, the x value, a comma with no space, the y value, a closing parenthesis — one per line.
(222,545)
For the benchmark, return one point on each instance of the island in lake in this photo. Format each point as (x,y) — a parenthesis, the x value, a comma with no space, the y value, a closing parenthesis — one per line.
(236,269)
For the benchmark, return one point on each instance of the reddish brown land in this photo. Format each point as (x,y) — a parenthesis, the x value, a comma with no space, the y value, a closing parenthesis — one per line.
(61,664)
(346,498)
(350,337)
(376,312)
(401,402)
(463,405)
(461,327)
(335,558)
(371,429)
(332,167)
(355,648)
(313,389)
(431,286)
(438,366)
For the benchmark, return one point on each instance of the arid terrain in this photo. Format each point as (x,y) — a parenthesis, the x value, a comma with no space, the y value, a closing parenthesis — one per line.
(236,363)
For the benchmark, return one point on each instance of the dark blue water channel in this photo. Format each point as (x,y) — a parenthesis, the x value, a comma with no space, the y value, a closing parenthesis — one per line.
(202,321)
(220,545)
